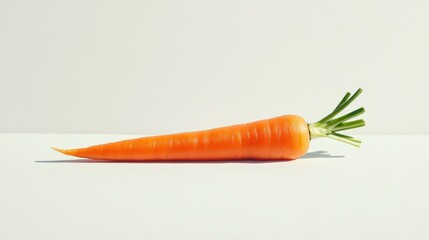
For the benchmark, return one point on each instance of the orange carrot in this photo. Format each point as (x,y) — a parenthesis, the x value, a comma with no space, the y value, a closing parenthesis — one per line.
(284,137)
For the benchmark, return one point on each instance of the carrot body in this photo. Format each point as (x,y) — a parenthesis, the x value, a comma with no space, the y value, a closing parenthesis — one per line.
(284,137)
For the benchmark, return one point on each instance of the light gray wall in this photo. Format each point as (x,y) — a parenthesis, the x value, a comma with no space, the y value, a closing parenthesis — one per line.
(166,66)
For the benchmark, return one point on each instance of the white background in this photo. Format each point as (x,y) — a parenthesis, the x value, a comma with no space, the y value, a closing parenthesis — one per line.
(166,66)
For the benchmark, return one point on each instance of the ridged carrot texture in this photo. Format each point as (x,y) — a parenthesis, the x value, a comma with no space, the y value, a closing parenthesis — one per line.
(284,137)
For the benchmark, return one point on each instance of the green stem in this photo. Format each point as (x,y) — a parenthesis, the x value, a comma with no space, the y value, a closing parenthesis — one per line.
(343,100)
(355,113)
(349,125)
(341,138)
(341,107)
(328,126)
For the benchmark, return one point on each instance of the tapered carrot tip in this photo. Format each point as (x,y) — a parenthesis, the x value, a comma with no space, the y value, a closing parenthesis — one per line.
(64,151)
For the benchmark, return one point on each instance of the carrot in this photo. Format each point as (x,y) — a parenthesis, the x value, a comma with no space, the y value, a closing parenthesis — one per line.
(283,137)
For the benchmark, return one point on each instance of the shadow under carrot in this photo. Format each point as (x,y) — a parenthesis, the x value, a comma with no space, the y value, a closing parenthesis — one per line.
(309,155)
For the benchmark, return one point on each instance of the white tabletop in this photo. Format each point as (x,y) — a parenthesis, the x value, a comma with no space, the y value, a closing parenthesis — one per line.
(380,191)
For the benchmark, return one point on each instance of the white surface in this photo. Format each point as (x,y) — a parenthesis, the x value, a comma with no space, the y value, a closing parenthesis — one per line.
(379,191)
(164,66)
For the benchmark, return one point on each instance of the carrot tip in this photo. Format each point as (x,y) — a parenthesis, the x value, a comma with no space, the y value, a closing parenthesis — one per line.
(63,151)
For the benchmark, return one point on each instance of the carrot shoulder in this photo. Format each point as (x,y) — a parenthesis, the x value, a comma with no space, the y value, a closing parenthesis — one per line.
(283,137)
